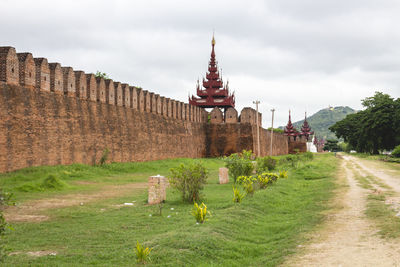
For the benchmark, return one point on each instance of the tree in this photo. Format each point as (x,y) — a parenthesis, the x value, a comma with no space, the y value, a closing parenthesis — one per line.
(101,74)
(375,128)
(332,145)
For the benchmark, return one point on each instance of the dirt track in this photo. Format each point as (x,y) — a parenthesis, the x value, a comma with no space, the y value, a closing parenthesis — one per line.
(348,238)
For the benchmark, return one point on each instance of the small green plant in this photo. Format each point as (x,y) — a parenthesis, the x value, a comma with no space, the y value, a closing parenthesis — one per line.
(266,179)
(265,164)
(142,253)
(263,181)
(104,157)
(283,174)
(237,195)
(189,180)
(240,164)
(200,212)
(248,183)
(396,152)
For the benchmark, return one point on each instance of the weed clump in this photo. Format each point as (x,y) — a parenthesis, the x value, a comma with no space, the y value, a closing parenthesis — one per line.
(200,212)
(51,182)
(237,195)
(142,253)
(189,180)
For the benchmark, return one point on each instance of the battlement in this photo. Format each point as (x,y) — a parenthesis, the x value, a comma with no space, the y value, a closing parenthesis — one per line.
(247,115)
(39,75)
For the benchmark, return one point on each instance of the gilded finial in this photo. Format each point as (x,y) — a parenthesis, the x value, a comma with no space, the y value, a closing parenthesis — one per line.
(213,39)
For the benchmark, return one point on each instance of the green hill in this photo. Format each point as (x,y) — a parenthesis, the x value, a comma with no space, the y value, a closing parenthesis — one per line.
(323,119)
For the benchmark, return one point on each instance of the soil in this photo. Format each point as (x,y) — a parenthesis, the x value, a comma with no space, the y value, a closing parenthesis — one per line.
(31,211)
(348,238)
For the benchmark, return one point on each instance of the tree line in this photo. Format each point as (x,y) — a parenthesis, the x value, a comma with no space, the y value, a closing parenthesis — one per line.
(375,128)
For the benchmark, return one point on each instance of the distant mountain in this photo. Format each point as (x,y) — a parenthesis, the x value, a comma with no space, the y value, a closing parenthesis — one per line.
(323,119)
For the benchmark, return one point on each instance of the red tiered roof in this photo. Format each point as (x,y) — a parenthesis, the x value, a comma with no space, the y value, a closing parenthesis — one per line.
(306,129)
(289,129)
(215,93)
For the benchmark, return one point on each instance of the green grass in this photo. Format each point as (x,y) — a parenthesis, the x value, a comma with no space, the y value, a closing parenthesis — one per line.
(383,215)
(28,183)
(261,231)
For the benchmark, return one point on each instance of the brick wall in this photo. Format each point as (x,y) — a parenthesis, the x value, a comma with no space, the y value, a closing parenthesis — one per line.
(43,128)
(226,138)
(54,115)
(27,73)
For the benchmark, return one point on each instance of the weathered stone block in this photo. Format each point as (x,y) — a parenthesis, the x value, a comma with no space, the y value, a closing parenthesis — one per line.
(223,175)
(157,189)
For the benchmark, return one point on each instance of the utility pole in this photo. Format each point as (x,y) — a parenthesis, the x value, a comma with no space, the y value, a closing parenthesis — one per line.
(272,128)
(258,127)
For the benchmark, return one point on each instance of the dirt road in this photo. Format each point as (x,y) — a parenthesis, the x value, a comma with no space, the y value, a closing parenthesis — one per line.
(348,237)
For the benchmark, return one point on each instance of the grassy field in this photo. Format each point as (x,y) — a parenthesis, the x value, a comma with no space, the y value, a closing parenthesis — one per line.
(261,231)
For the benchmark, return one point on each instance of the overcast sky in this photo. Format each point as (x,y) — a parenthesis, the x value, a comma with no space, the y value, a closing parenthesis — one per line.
(302,55)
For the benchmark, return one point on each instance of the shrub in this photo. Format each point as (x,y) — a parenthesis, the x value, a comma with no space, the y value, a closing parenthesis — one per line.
(142,253)
(200,212)
(240,164)
(237,195)
(189,180)
(265,164)
(263,181)
(396,152)
(248,183)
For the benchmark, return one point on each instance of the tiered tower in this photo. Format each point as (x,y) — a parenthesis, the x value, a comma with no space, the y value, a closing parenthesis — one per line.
(306,129)
(215,93)
(289,129)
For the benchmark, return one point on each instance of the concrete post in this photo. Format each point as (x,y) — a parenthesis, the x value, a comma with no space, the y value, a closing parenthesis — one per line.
(157,189)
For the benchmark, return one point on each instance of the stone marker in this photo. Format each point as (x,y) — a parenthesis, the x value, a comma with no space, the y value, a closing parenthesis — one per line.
(223,176)
(157,192)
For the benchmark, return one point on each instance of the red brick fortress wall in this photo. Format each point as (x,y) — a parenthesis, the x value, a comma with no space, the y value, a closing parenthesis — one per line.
(46,128)
(224,139)
(279,142)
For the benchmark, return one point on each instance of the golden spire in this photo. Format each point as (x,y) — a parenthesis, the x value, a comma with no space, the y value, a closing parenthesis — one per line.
(213,40)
